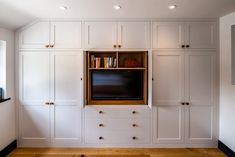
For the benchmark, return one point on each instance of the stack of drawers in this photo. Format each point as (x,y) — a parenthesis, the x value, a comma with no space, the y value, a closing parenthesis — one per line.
(116,125)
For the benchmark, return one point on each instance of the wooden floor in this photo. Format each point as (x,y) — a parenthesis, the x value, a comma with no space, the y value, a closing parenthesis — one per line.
(116,152)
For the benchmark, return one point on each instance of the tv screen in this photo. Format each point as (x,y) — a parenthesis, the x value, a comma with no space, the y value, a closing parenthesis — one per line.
(117,85)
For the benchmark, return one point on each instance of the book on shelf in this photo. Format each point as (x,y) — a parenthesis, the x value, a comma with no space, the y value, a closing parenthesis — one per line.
(95,62)
(110,62)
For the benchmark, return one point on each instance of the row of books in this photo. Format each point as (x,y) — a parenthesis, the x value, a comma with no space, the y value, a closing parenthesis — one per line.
(105,62)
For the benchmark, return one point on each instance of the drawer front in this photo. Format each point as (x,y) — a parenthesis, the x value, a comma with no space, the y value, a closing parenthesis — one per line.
(117,137)
(121,124)
(116,112)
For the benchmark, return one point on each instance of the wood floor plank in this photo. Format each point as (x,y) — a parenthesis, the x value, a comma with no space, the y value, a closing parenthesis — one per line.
(117,152)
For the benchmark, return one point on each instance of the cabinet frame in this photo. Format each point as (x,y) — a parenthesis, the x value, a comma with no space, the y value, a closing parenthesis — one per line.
(144,68)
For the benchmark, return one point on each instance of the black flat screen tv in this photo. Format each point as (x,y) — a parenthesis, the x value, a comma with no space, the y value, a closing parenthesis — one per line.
(117,85)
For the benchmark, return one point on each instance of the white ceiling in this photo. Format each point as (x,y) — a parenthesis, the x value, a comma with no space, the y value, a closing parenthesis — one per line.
(16,13)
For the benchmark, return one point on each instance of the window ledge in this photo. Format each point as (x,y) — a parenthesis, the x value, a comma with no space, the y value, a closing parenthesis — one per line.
(3,100)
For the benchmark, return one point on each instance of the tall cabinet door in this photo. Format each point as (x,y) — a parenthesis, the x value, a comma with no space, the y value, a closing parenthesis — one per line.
(168,35)
(35,36)
(34,93)
(168,93)
(66,80)
(201,35)
(66,35)
(100,34)
(134,34)
(199,93)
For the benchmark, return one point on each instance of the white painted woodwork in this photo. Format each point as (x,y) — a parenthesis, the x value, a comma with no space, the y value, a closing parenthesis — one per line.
(129,34)
(100,34)
(34,124)
(34,73)
(66,86)
(168,93)
(172,35)
(168,35)
(168,124)
(66,35)
(35,36)
(168,75)
(133,34)
(201,35)
(51,77)
(199,92)
(117,111)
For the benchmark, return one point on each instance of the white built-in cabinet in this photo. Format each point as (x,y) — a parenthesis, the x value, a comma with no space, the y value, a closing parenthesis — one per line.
(117,35)
(52,34)
(50,97)
(189,35)
(183,95)
(182,57)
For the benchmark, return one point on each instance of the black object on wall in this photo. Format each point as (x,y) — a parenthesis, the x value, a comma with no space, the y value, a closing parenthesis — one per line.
(226,149)
(8,149)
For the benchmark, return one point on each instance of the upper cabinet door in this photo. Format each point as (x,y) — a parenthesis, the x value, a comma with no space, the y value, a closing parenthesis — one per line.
(66,35)
(35,36)
(100,34)
(133,34)
(201,35)
(168,35)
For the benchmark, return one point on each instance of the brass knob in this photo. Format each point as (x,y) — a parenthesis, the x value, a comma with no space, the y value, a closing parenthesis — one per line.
(134,125)
(152,79)
(187,46)
(47,46)
(47,103)
(114,46)
(182,103)
(187,103)
(134,112)
(51,103)
(119,46)
(101,112)
(183,46)
(101,125)
(101,138)
(51,46)
(134,138)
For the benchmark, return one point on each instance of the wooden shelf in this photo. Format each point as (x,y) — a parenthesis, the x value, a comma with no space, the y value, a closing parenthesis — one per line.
(116,68)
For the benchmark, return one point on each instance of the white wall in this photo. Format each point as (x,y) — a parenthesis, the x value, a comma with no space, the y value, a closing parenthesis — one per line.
(227,90)
(7,109)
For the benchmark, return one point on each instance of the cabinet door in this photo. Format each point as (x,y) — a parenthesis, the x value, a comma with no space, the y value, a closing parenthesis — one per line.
(199,92)
(168,35)
(133,34)
(34,92)
(66,74)
(66,35)
(168,93)
(100,34)
(35,36)
(201,35)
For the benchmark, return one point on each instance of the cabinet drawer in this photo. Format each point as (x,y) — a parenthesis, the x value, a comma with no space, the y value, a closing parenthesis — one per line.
(117,137)
(122,124)
(117,112)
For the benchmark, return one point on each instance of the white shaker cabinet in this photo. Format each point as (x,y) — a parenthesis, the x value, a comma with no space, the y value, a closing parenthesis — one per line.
(100,34)
(117,35)
(35,36)
(184,35)
(168,93)
(52,34)
(183,95)
(50,97)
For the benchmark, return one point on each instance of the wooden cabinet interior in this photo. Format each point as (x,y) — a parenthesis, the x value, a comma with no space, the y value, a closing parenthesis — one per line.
(124,80)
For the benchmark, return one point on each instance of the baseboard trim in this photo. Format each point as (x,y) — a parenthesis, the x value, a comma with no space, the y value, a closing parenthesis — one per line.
(229,152)
(8,149)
